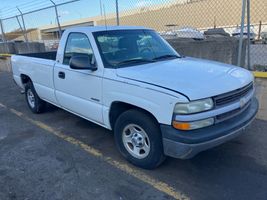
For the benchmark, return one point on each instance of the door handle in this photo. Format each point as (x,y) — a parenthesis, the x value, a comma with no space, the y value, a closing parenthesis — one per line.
(61,75)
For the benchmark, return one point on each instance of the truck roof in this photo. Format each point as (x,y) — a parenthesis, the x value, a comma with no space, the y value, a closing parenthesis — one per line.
(104,28)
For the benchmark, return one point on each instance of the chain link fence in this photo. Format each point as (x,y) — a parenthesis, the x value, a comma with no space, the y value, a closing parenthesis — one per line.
(196,20)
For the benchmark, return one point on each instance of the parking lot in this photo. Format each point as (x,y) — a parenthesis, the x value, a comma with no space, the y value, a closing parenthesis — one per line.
(56,155)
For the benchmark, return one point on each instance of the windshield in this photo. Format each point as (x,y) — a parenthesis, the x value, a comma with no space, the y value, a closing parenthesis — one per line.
(122,48)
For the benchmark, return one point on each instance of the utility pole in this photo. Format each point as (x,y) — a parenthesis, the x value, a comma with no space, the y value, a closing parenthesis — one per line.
(58,23)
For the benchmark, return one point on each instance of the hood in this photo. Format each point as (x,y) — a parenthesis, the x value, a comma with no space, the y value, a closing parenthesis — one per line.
(195,78)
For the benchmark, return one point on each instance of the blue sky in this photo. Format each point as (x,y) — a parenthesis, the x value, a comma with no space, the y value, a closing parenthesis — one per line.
(76,10)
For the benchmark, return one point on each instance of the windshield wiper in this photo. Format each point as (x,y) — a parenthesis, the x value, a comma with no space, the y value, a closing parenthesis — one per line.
(166,56)
(135,60)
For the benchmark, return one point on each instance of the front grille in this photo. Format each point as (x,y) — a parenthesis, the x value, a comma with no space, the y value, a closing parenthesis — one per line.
(233,96)
(231,113)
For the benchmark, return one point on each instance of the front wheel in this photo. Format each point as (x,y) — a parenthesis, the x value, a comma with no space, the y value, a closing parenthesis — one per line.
(138,138)
(34,102)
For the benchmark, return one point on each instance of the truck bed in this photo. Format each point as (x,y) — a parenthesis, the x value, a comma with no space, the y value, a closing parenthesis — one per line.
(38,66)
(50,55)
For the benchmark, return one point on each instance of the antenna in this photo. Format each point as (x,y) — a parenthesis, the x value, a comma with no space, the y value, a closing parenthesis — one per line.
(104,9)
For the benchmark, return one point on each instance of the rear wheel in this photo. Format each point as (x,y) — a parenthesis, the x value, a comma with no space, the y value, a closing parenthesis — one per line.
(138,138)
(34,102)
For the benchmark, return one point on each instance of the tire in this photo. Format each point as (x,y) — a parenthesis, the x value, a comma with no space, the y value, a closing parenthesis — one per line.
(146,152)
(34,102)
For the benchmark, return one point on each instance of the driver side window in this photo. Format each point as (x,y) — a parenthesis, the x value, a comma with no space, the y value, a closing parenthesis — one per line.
(77,44)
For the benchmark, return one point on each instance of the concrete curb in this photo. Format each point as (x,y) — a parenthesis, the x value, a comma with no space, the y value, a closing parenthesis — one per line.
(5,55)
(260,74)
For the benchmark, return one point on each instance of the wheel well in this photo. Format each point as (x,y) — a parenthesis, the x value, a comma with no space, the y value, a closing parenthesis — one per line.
(117,108)
(25,79)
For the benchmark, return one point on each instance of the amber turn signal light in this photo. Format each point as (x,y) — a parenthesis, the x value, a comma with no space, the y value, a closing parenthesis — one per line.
(181,125)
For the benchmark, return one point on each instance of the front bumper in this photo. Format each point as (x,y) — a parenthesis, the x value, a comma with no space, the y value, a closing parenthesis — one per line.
(186,144)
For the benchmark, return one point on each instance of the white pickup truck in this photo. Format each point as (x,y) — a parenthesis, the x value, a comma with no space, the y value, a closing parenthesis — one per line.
(131,81)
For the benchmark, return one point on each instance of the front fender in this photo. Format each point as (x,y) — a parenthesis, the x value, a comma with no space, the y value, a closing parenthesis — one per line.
(158,103)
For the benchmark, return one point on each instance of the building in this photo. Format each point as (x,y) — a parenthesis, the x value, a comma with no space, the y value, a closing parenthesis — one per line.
(51,32)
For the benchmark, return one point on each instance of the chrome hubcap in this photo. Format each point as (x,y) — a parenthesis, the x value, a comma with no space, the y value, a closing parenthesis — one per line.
(136,141)
(30,97)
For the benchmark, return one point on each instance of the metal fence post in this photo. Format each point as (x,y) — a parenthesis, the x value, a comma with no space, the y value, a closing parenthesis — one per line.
(104,9)
(3,36)
(24,27)
(22,30)
(259,33)
(241,32)
(248,33)
(101,11)
(117,13)
(57,16)
(2,31)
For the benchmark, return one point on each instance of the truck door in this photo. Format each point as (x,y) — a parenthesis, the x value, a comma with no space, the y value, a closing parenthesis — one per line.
(79,91)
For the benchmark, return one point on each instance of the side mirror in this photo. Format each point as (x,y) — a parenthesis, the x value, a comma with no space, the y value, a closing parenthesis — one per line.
(82,62)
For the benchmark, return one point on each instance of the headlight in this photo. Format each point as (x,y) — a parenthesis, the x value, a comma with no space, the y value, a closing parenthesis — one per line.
(193,106)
